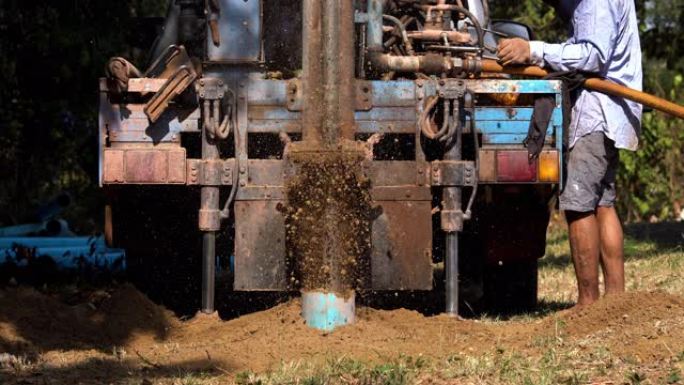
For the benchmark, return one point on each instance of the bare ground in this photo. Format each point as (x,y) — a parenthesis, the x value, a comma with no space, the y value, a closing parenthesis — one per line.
(119,336)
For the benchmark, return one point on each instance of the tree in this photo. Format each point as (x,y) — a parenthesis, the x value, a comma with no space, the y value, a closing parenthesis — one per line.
(51,56)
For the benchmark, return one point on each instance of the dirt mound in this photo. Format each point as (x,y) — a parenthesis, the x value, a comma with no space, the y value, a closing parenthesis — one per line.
(620,311)
(643,325)
(127,312)
(32,320)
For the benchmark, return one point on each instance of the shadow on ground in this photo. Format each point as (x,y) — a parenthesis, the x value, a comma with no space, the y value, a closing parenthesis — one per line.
(98,371)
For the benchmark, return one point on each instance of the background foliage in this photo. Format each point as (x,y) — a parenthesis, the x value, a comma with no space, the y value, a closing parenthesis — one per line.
(53,52)
(51,56)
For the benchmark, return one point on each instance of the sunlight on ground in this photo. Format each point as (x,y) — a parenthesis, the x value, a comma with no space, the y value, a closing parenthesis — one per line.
(651,264)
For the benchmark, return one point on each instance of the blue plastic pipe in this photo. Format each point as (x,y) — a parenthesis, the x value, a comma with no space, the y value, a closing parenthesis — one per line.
(326,311)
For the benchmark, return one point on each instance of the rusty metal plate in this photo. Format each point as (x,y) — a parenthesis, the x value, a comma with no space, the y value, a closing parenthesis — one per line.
(143,166)
(487,166)
(401,193)
(260,193)
(177,167)
(265,172)
(113,167)
(402,246)
(399,173)
(146,166)
(260,257)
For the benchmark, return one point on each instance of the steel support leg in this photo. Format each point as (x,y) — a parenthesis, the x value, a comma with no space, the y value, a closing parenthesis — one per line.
(208,270)
(452,215)
(451,266)
(209,215)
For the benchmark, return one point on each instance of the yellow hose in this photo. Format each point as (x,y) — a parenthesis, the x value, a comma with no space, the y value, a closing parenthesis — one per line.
(600,85)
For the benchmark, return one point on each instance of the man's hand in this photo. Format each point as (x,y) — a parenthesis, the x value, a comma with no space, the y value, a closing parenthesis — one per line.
(514,51)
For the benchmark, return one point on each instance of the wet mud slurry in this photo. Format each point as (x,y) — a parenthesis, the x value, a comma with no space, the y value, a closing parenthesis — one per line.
(328,222)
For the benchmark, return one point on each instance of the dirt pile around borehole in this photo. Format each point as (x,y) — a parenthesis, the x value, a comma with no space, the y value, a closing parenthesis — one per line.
(31,320)
(642,325)
(328,219)
(639,325)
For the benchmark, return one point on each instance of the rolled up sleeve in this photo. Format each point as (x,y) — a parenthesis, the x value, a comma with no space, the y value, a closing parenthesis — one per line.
(590,48)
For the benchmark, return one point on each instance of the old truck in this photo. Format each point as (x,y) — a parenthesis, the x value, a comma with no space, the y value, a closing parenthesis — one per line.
(198,146)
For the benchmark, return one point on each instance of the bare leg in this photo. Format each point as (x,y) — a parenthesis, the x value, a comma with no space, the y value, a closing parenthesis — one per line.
(612,259)
(584,246)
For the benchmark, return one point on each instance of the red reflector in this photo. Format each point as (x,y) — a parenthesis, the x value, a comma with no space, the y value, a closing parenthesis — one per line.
(513,166)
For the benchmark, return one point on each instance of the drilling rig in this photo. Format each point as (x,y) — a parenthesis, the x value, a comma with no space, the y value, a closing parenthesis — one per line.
(245,101)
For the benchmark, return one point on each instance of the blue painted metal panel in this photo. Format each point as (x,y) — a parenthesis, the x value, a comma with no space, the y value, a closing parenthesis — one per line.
(506,127)
(264,92)
(503,139)
(394,93)
(496,86)
(240,29)
(513,113)
(272,113)
(508,139)
(387,114)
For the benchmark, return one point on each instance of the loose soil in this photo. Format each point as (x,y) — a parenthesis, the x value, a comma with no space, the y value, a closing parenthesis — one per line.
(328,222)
(70,340)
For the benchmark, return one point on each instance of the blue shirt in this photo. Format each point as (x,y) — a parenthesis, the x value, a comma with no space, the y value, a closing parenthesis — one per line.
(605,41)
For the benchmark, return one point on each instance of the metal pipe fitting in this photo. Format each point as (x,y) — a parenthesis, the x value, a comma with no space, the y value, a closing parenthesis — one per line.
(375,11)
(430,64)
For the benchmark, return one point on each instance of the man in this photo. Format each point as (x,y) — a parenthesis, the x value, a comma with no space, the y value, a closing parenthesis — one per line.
(604,42)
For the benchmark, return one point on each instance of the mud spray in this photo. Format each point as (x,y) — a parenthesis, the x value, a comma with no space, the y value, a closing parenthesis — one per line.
(328,234)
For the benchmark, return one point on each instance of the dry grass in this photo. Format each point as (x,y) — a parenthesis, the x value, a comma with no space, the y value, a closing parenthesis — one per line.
(651,263)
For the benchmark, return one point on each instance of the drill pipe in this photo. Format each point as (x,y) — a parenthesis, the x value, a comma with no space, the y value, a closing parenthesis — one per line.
(595,84)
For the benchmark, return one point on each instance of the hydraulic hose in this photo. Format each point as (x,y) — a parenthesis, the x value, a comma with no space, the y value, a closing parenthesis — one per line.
(601,85)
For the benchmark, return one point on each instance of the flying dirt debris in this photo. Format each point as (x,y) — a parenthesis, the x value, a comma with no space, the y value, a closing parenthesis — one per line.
(328,228)
(328,223)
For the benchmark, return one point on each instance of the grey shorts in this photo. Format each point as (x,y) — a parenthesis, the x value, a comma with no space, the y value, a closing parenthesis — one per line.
(590,174)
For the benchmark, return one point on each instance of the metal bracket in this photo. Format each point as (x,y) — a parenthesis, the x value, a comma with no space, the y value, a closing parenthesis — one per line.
(294,95)
(451,88)
(453,173)
(210,88)
(210,172)
(174,86)
(364,95)
(452,220)
(175,66)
